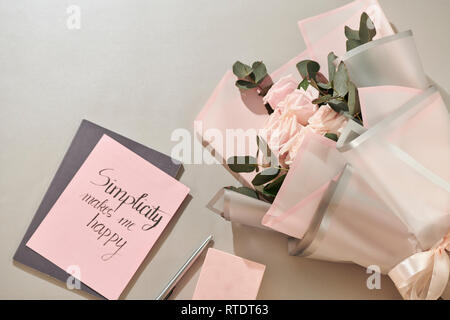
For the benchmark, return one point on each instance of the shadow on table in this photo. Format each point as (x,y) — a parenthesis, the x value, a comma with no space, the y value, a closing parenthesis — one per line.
(292,277)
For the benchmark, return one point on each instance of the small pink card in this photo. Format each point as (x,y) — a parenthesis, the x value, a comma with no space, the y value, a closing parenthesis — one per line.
(108,218)
(228,277)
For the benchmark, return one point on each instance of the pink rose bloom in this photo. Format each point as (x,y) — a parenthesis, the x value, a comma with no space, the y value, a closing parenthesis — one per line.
(290,148)
(284,130)
(280,128)
(300,103)
(280,90)
(326,120)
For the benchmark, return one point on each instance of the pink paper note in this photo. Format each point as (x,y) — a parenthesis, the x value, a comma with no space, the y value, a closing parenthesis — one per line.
(228,277)
(108,218)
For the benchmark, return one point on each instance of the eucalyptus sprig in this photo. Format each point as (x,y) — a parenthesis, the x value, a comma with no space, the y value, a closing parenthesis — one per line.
(266,182)
(366,32)
(251,77)
(338,91)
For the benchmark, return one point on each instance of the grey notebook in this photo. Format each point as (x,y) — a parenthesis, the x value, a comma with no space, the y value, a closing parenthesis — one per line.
(82,144)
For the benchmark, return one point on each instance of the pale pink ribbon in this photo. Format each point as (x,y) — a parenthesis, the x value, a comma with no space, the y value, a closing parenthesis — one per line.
(424,275)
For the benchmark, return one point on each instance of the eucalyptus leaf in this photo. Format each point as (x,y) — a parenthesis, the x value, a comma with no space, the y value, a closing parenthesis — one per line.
(244,84)
(338,105)
(304,84)
(365,33)
(308,68)
(245,191)
(372,29)
(273,187)
(366,28)
(351,34)
(363,29)
(332,136)
(322,99)
(265,176)
(301,67)
(312,68)
(331,66)
(262,145)
(340,80)
(241,70)
(352,44)
(353,100)
(325,86)
(242,163)
(263,194)
(259,71)
(269,158)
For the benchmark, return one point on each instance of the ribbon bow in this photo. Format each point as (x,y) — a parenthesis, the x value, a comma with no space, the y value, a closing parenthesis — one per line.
(424,275)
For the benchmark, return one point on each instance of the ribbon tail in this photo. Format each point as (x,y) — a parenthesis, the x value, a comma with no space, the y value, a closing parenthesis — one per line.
(440,276)
(422,276)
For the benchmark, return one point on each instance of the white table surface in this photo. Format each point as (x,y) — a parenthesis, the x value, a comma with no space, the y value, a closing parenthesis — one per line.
(144,68)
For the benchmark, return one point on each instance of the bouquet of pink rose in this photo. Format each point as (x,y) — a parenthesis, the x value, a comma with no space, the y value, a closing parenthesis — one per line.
(351,165)
(316,104)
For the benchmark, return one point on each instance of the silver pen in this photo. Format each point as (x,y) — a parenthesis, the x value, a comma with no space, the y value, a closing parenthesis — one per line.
(167,291)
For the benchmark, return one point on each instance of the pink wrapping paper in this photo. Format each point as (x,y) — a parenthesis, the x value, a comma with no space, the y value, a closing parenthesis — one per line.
(405,159)
(242,111)
(316,164)
(356,226)
(230,108)
(378,102)
(397,163)
(227,277)
(324,33)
